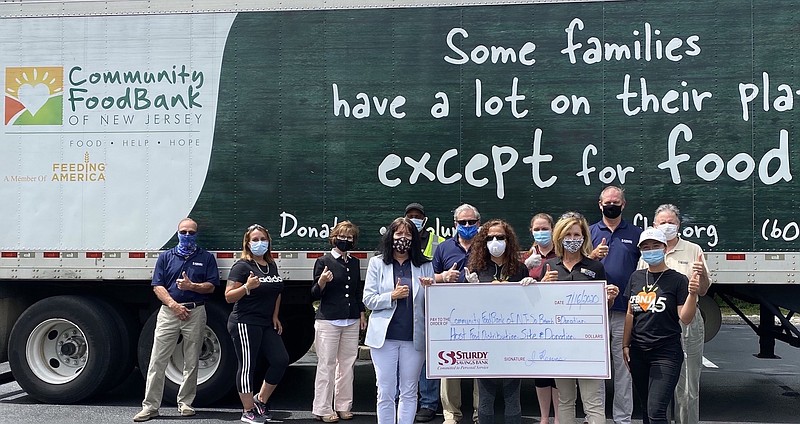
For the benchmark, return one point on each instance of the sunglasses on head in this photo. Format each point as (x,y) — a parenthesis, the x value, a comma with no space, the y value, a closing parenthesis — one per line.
(497,237)
(467,222)
(189,232)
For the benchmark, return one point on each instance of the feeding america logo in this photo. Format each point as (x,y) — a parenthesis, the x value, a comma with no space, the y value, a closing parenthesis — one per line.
(34,95)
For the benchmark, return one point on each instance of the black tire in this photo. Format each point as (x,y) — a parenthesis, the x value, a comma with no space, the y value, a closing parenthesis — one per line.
(211,386)
(62,349)
(128,331)
(298,331)
(712,316)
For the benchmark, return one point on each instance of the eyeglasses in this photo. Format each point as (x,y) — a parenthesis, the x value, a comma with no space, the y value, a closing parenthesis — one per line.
(496,237)
(467,222)
(256,227)
(185,232)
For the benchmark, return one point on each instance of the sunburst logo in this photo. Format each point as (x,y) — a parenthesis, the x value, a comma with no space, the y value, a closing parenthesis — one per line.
(34,95)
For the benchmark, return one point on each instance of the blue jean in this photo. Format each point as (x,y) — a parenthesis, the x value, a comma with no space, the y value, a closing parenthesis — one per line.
(428,391)
(655,374)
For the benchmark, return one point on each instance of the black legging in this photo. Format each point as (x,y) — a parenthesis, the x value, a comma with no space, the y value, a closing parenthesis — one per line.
(254,342)
(655,374)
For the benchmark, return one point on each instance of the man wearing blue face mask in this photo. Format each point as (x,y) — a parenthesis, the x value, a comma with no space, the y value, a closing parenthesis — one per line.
(183,280)
(448,263)
(430,240)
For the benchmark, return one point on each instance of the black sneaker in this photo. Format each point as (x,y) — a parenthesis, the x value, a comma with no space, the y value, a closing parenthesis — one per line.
(253,417)
(262,408)
(424,415)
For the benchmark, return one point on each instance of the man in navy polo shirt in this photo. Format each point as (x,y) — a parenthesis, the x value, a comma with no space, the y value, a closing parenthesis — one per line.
(615,243)
(448,263)
(183,280)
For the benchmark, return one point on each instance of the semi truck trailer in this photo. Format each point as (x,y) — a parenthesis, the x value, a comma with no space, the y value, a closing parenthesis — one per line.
(123,117)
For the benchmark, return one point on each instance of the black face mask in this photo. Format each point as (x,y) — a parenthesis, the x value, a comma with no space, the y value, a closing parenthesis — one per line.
(343,245)
(612,211)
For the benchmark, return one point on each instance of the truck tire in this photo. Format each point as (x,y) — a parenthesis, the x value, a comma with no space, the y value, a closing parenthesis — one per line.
(62,349)
(712,316)
(217,363)
(298,332)
(128,331)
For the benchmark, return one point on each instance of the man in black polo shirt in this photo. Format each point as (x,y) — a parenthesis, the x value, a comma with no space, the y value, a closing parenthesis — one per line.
(183,280)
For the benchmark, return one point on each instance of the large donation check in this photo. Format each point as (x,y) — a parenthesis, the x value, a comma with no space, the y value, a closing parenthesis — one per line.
(509,330)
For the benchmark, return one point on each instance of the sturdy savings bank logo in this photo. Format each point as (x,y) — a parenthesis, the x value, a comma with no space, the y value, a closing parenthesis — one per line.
(34,95)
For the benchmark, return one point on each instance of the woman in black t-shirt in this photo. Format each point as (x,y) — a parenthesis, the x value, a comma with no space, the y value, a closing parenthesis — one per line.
(494,259)
(255,286)
(651,342)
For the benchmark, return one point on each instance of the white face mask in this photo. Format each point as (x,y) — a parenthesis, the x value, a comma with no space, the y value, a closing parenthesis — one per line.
(670,230)
(496,247)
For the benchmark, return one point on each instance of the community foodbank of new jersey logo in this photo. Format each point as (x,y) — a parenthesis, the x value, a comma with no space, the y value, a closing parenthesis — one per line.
(34,95)
(462,358)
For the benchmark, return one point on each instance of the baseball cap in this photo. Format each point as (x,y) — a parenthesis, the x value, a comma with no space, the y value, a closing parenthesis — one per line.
(652,234)
(416,206)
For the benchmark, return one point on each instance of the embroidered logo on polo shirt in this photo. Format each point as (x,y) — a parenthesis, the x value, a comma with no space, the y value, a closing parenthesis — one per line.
(588,272)
(197,263)
(626,241)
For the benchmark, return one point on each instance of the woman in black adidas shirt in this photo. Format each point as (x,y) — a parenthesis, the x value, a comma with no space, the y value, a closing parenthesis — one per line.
(255,286)
(651,342)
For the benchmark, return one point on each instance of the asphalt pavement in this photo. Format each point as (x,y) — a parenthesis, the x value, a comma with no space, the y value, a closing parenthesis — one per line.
(736,388)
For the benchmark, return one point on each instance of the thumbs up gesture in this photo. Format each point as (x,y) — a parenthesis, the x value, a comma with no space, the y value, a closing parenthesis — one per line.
(470,276)
(252,282)
(451,275)
(533,260)
(601,251)
(325,277)
(184,283)
(400,291)
(698,266)
(549,275)
(694,283)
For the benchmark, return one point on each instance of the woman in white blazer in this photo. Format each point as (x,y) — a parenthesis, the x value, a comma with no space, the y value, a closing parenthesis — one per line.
(394,291)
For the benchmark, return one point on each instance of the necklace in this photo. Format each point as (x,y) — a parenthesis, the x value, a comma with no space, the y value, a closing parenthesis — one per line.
(259,267)
(651,287)
(498,272)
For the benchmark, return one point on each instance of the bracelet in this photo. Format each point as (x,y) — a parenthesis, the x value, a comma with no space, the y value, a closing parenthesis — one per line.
(626,347)
(246,289)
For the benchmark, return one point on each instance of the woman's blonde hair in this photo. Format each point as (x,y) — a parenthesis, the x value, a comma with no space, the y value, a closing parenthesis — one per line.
(247,254)
(561,228)
(344,227)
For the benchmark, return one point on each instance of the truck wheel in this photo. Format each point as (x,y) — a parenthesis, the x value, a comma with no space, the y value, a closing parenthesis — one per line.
(298,332)
(62,349)
(217,362)
(712,316)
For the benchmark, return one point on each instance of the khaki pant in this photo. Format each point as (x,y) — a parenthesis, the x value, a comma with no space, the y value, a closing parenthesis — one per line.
(451,400)
(687,394)
(337,350)
(165,339)
(593,402)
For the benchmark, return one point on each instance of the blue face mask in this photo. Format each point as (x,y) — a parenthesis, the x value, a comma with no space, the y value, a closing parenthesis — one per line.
(259,248)
(187,243)
(653,257)
(543,237)
(467,233)
(418,223)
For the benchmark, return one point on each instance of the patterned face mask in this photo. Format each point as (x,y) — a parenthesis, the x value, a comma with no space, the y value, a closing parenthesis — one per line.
(402,244)
(572,246)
